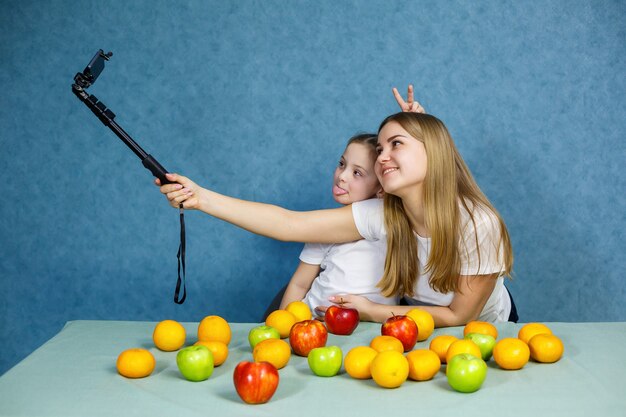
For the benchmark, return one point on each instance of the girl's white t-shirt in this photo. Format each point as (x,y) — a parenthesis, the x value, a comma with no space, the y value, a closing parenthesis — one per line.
(369,220)
(346,268)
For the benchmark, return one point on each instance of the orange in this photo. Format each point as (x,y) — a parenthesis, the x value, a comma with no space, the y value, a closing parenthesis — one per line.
(545,348)
(281,320)
(169,335)
(390,369)
(425,323)
(218,349)
(214,328)
(135,363)
(275,351)
(511,353)
(462,346)
(358,362)
(481,327)
(423,364)
(440,345)
(384,343)
(300,309)
(531,329)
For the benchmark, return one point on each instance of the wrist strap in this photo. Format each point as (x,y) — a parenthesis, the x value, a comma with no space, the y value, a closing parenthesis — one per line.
(181,260)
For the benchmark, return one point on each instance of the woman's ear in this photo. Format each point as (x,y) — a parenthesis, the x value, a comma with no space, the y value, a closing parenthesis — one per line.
(380,193)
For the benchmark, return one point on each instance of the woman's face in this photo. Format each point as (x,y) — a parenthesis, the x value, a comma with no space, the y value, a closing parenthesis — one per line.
(402,163)
(354,178)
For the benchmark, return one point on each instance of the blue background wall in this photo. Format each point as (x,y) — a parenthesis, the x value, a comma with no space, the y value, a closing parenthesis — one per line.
(256,99)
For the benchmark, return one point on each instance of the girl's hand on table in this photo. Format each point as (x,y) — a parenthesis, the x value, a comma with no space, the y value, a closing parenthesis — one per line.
(363,305)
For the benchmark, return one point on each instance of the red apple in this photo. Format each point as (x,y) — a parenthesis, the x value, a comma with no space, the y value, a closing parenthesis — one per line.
(340,320)
(255,382)
(402,328)
(307,335)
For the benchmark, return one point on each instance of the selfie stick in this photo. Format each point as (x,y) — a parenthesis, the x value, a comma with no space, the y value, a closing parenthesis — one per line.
(87,78)
(84,80)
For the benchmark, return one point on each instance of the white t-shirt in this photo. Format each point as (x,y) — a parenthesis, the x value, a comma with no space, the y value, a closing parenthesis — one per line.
(347,268)
(369,219)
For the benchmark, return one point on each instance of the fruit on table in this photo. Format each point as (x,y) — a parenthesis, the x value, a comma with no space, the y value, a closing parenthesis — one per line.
(485,343)
(325,361)
(169,335)
(259,333)
(214,328)
(135,363)
(195,362)
(511,353)
(423,364)
(255,382)
(462,346)
(402,328)
(299,309)
(218,349)
(306,336)
(545,348)
(466,373)
(425,323)
(390,369)
(482,327)
(529,330)
(275,351)
(440,345)
(359,360)
(281,320)
(383,343)
(340,320)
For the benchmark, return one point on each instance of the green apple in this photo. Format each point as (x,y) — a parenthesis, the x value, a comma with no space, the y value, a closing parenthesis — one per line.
(325,361)
(260,333)
(485,343)
(195,363)
(466,373)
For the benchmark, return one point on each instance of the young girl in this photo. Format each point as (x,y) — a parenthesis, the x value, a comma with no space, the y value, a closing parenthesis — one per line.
(354,267)
(447,247)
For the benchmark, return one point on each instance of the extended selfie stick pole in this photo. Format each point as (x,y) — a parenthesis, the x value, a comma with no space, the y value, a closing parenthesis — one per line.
(106,116)
(82,81)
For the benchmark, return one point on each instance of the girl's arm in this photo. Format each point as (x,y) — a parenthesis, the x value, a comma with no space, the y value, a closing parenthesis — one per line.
(300,283)
(467,304)
(321,226)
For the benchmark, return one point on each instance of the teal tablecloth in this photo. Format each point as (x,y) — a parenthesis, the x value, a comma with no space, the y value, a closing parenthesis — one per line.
(74,374)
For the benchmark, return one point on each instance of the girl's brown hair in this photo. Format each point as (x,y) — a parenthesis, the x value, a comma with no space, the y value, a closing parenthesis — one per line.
(369,139)
(448,184)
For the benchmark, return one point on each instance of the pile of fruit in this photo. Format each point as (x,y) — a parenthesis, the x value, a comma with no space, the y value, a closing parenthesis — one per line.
(389,359)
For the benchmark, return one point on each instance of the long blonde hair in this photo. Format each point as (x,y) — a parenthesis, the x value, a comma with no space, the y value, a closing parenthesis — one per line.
(447,184)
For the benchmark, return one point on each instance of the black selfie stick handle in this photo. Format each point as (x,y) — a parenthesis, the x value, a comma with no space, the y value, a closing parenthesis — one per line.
(106,116)
(156,169)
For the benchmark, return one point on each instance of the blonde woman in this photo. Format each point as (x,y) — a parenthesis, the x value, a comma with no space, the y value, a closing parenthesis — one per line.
(448,249)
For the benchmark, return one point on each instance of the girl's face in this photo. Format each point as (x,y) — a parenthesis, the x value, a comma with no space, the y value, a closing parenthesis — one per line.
(401,164)
(354,178)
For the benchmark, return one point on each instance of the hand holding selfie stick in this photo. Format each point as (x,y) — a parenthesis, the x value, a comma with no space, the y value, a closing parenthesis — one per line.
(84,80)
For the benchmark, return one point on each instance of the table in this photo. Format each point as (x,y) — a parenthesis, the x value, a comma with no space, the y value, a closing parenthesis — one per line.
(74,374)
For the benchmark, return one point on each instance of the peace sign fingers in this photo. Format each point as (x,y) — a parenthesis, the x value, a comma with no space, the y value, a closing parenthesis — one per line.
(410,105)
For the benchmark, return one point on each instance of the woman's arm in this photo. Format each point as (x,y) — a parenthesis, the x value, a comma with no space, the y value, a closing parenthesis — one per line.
(300,283)
(467,304)
(321,226)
